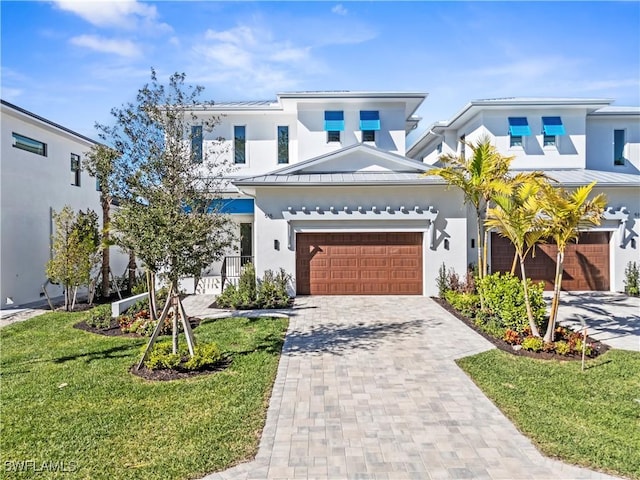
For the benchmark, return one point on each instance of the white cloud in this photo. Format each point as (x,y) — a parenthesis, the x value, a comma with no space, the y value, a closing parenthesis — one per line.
(124,48)
(125,14)
(339,9)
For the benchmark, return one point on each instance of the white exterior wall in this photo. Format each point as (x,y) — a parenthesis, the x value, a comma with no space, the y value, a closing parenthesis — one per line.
(600,142)
(32,186)
(450,224)
(624,248)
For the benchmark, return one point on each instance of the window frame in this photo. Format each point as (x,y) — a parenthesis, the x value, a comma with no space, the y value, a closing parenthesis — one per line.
(369,136)
(197,143)
(282,160)
(333,136)
(16,137)
(76,169)
(619,160)
(236,139)
(549,141)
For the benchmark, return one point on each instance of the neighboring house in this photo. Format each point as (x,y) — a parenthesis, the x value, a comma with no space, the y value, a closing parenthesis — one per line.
(41,172)
(574,141)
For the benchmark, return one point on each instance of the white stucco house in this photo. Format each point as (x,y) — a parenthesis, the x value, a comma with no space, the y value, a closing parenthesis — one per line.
(325,188)
(40,172)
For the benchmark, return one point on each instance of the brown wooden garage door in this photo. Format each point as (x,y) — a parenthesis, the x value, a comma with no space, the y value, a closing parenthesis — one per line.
(359,263)
(586,263)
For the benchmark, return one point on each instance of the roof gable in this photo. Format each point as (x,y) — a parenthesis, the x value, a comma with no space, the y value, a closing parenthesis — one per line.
(353,159)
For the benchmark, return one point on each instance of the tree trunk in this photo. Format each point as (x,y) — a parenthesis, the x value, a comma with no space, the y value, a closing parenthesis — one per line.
(555,302)
(174,300)
(132,271)
(513,265)
(106,290)
(527,302)
(485,256)
(480,275)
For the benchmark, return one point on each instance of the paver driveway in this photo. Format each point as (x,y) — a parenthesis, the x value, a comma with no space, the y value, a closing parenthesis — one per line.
(367,387)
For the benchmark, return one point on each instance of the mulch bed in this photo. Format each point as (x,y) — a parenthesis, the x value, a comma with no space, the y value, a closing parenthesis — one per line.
(114,328)
(166,374)
(216,306)
(598,347)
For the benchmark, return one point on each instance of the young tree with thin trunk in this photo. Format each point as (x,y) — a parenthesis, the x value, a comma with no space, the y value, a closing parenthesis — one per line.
(74,253)
(565,214)
(169,184)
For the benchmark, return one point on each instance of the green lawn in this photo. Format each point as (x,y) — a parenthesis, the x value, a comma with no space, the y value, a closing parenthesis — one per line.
(589,418)
(67,396)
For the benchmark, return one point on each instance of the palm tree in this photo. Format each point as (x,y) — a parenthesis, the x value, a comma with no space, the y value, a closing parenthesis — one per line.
(480,177)
(565,213)
(516,217)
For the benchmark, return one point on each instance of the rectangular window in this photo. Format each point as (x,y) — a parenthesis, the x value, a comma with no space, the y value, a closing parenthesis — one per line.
(463,146)
(196,144)
(368,135)
(239,144)
(75,170)
(439,148)
(333,136)
(618,147)
(515,140)
(98,186)
(283,144)
(29,144)
(549,141)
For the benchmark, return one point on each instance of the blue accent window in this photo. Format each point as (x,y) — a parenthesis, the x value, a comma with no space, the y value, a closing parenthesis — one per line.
(369,120)
(519,127)
(283,144)
(552,126)
(196,143)
(618,147)
(239,144)
(232,206)
(334,120)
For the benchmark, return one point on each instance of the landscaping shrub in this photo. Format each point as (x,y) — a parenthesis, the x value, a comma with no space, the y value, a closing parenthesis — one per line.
(137,318)
(161,357)
(562,347)
(441,281)
(466,303)
(511,336)
(534,344)
(632,279)
(100,317)
(504,300)
(272,290)
(268,292)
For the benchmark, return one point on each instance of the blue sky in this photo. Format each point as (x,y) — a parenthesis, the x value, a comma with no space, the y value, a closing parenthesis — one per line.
(72,61)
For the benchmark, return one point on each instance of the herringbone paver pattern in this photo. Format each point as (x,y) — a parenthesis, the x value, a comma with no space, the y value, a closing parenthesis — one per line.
(367,388)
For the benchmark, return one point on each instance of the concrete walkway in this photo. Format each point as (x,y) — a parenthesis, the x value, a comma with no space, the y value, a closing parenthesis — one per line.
(612,318)
(367,388)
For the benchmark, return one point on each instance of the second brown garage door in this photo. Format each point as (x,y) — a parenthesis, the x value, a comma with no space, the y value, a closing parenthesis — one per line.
(359,263)
(586,263)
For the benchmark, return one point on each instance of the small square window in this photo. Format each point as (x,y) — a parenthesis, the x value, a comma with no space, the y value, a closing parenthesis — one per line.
(333,136)
(368,135)
(515,140)
(549,141)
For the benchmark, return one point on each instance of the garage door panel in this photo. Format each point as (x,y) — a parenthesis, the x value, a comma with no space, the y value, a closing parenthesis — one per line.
(380,263)
(586,263)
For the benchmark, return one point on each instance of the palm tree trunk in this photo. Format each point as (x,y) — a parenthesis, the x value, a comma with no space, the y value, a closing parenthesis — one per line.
(527,302)
(555,302)
(480,275)
(513,265)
